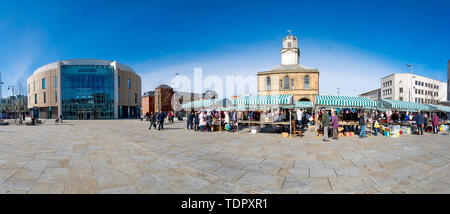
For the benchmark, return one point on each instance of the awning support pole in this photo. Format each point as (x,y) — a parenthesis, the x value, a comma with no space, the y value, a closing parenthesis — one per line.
(290,123)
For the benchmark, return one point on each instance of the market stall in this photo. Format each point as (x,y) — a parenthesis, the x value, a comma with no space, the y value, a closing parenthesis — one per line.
(395,128)
(341,102)
(267,103)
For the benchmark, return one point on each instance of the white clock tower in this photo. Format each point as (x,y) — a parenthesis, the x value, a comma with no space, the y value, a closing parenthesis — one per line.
(290,52)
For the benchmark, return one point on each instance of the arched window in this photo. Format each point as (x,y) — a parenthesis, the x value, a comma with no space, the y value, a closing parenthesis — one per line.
(306,82)
(286,83)
(268,84)
(289,44)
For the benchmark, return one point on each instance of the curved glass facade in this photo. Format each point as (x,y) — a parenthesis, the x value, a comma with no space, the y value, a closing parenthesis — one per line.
(87,92)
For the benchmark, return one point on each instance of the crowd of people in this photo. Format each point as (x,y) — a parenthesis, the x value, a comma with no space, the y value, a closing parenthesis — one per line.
(157,119)
(418,121)
(204,121)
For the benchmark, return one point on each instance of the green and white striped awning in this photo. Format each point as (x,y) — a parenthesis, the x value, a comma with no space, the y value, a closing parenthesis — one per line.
(264,100)
(440,108)
(344,101)
(404,105)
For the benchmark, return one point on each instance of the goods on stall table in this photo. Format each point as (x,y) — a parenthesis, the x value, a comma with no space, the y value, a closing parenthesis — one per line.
(349,134)
(395,130)
(255,129)
(444,128)
(406,130)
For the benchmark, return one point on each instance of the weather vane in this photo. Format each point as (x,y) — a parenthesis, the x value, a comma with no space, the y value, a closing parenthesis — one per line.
(289,31)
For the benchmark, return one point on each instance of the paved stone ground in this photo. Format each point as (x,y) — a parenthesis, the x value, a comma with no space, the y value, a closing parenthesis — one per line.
(125,157)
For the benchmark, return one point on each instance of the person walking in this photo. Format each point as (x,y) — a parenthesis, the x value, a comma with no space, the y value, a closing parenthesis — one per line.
(362,124)
(325,123)
(161,117)
(435,124)
(152,121)
(334,125)
(419,122)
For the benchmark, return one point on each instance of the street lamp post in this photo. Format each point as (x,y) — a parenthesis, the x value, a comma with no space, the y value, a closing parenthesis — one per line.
(11,87)
(411,86)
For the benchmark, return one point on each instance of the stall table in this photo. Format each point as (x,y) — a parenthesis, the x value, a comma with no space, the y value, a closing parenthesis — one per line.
(249,122)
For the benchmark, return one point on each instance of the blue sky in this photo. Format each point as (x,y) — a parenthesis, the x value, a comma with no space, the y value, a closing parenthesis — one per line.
(356,41)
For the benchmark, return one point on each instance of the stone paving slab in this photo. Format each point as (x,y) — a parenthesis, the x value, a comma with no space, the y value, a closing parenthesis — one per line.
(123,156)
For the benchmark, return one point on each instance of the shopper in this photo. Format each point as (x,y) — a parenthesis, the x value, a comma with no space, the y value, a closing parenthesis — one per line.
(161,117)
(227,117)
(152,121)
(189,120)
(202,121)
(325,123)
(419,123)
(362,124)
(299,117)
(376,126)
(435,124)
(208,121)
(334,125)
(196,121)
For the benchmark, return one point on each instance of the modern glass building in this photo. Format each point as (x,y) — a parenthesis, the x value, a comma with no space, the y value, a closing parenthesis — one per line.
(85,89)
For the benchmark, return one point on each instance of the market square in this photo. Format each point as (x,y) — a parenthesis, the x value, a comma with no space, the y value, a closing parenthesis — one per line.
(124,156)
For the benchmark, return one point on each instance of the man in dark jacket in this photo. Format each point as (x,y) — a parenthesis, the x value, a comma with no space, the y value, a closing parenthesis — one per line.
(161,120)
(304,121)
(152,121)
(189,120)
(325,123)
(419,122)
(196,121)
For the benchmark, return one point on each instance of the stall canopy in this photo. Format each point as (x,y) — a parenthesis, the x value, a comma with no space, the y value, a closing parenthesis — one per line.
(303,104)
(403,105)
(264,100)
(344,101)
(299,104)
(198,104)
(221,104)
(440,108)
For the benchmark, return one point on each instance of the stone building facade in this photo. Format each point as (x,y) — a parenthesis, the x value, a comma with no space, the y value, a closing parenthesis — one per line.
(290,77)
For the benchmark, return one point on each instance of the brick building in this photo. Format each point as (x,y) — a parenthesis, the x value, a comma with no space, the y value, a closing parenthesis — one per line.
(164,98)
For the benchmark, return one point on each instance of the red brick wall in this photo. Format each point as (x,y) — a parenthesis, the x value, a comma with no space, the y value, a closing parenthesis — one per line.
(163,95)
(148,105)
